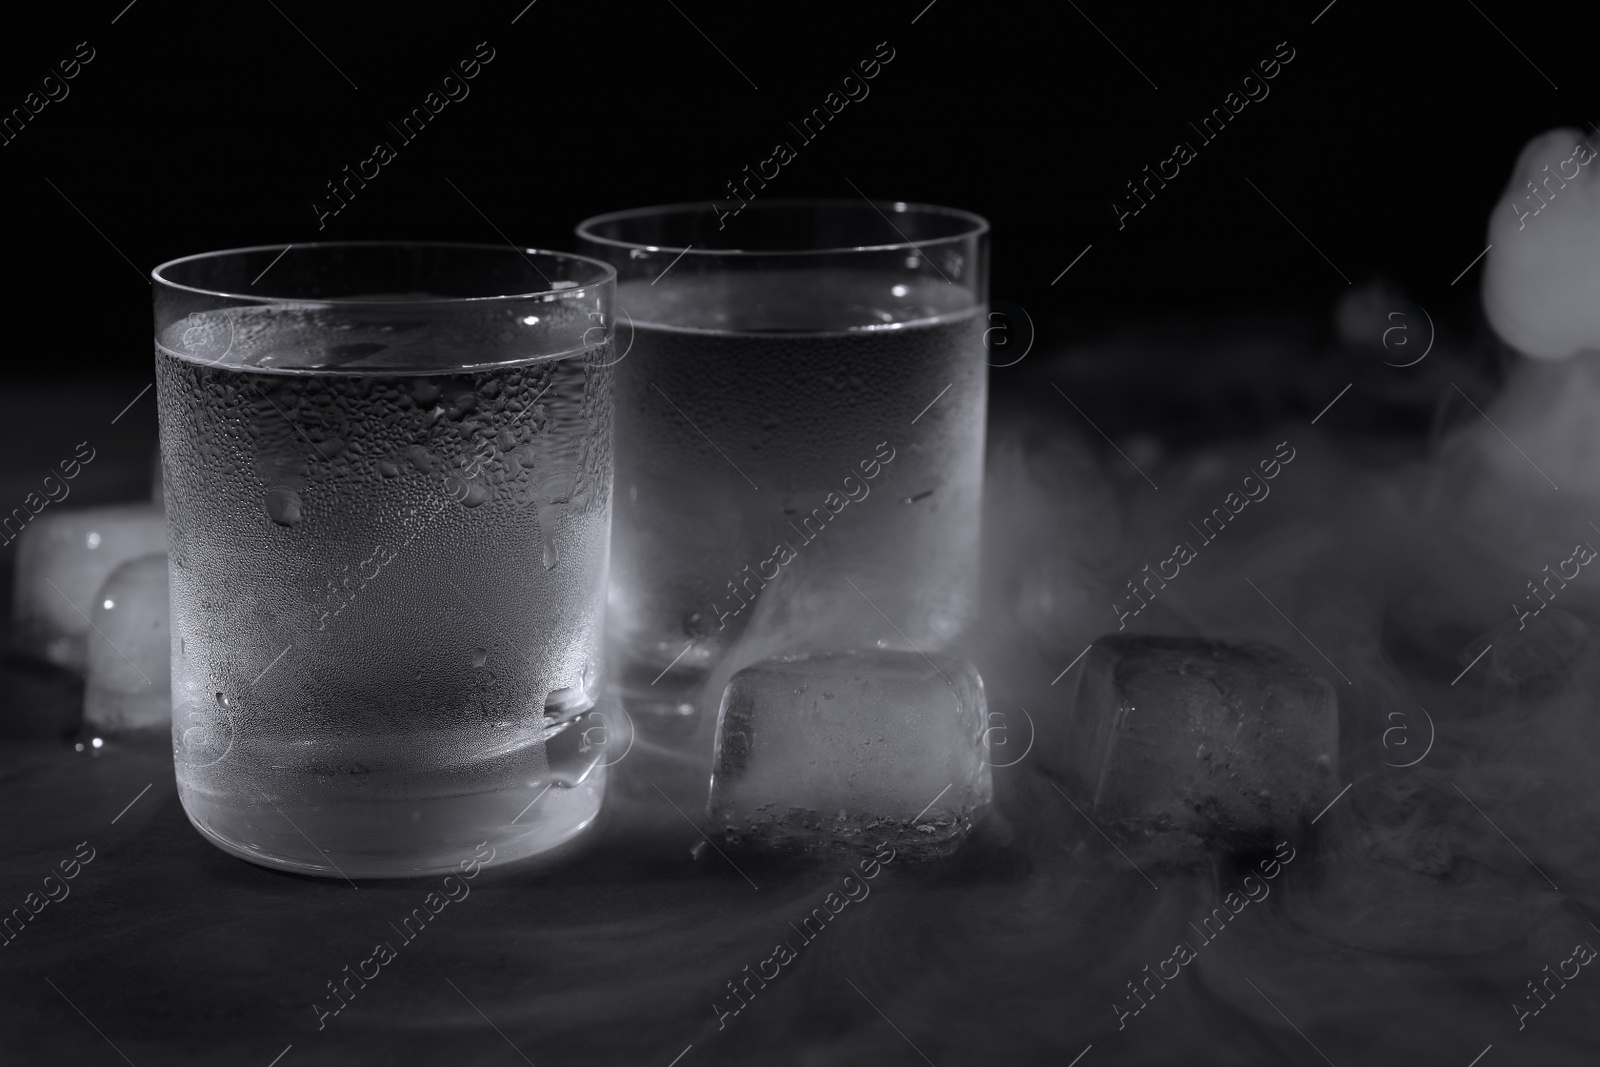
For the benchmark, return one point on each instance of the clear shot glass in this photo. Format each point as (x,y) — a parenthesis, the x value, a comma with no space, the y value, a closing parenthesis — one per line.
(388,490)
(801,392)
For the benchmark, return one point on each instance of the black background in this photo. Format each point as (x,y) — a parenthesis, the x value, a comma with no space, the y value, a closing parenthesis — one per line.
(199,126)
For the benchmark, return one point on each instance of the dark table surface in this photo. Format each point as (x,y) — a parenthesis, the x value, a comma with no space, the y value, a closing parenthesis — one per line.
(168,951)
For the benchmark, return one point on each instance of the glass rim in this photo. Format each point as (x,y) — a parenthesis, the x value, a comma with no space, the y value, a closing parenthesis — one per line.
(607,273)
(977,226)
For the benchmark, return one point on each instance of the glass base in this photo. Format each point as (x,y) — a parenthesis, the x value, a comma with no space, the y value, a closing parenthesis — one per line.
(399,838)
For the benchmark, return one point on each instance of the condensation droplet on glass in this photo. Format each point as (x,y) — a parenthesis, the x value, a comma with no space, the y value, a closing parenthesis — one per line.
(283,506)
(480,656)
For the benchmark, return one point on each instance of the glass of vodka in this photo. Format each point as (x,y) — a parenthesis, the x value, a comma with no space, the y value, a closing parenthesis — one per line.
(388,488)
(800,396)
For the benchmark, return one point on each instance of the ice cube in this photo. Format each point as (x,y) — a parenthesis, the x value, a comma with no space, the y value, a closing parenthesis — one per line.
(63,557)
(841,751)
(130,650)
(1183,745)
(1544,249)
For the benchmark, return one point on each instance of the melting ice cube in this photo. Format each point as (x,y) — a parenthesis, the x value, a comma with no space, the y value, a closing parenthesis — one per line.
(845,750)
(63,557)
(1183,744)
(130,650)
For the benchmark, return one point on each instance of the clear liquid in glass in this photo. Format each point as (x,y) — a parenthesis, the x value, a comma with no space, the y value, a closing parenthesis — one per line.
(387,588)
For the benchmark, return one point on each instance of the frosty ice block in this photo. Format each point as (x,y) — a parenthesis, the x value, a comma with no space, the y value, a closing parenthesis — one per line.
(1183,744)
(846,750)
(129,680)
(1544,249)
(62,558)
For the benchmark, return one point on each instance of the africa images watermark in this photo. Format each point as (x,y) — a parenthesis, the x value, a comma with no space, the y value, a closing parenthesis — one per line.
(1403,730)
(471,483)
(455,890)
(784,553)
(854,891)
(33,903)
(851,88)
(452,87)
(52,88)
(34,503)
(1210,128)
(1185,953)
(1185,553)
(1578,159)
(1582,555)
(1582,956)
